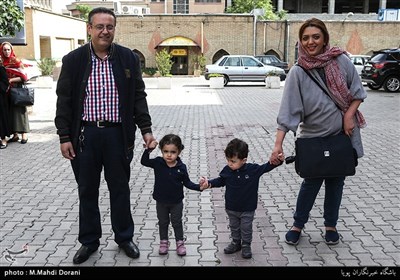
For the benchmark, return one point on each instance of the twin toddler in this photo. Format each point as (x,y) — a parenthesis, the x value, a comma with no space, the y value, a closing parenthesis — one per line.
(240,178)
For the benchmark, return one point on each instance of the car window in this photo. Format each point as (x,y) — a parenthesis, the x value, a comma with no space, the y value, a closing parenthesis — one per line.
(222,61)
(248,61)
(379,57)
(273,59)
(232,61)
(396,55)
(358,60)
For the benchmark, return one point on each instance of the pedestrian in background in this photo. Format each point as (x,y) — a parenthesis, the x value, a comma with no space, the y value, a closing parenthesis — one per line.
(101,101)
(171,176)
(5,130)
(306,107)
(241,195)
(17,77)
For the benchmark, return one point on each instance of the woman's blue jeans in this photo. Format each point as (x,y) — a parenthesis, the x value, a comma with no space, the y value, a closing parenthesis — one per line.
(307,195)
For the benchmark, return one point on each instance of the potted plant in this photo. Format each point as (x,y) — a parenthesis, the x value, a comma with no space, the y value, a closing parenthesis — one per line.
(273,79)
(216,80)
(46,66)
(164,66)
(199,63)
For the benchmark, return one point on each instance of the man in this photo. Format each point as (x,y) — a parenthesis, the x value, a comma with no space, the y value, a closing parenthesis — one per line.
(101,101)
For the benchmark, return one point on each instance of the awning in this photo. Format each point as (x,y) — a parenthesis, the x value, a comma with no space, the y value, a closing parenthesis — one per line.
(177,41)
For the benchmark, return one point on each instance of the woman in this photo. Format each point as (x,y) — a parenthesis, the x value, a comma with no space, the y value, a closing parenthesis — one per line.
(16,77)
(5,130)
(307,108)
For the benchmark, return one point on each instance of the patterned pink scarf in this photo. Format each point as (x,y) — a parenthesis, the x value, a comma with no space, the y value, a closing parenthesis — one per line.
(334,78)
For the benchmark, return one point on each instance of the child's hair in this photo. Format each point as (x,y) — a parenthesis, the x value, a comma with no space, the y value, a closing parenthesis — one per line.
(238,148)
(172,139)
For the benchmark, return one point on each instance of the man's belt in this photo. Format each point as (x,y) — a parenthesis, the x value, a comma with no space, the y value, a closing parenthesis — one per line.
(101,124)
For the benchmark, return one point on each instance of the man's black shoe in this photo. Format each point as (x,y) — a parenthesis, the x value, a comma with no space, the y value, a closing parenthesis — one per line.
(83,254)
(131,250)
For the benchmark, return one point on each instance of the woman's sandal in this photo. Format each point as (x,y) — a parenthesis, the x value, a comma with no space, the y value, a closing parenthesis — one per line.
(14,139)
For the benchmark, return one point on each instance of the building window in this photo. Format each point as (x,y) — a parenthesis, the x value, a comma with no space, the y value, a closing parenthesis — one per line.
(181,6)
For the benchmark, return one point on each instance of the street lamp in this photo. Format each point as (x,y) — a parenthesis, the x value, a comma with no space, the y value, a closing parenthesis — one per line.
(255,13)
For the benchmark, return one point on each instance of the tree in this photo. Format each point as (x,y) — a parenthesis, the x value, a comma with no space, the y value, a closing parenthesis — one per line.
(84,11)
(11,18)
(246,6)
(164,62)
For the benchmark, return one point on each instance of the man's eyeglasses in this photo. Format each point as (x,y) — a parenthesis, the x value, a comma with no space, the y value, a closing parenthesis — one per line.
(100,27)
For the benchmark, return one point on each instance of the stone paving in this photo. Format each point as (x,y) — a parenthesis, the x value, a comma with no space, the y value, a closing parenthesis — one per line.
(39,202)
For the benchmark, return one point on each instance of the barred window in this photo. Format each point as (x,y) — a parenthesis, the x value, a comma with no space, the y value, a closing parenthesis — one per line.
(181,6)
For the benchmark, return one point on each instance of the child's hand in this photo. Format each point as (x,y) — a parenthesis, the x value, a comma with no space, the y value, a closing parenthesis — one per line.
(281,157)
(153,144)
(203,183)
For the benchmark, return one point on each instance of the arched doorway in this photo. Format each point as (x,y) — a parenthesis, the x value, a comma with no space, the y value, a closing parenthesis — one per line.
(181,49)
(142,59)
(218,55)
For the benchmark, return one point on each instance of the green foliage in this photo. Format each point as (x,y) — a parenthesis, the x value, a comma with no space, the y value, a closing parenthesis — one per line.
(46,66)
(215,75)
(11,18)
(199,62)
(150,71)
(84,11)
(272,73)
(246,6)
(164,62)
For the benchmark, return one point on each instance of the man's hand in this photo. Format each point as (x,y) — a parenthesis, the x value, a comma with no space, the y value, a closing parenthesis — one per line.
(67,150)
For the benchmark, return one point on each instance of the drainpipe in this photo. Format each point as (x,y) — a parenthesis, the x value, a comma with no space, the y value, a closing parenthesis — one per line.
(202,37)
(287,38)
(264,38)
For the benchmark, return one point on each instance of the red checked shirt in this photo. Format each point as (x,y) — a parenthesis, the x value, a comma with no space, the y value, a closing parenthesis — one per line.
(101,101)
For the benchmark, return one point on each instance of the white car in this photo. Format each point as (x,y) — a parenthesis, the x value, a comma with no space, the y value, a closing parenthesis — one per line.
(359,61)
(242,68)
(31,68)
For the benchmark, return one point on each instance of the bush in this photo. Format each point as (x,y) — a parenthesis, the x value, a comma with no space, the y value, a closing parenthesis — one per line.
(150,71)
(46,66)
(164,62)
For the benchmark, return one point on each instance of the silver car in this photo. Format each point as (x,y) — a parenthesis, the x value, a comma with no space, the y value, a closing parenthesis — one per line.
(242,68)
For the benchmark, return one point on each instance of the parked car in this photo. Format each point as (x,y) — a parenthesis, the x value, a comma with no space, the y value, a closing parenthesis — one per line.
(242,68)
(272,60)
(31,68)
(383,70)
(359,61)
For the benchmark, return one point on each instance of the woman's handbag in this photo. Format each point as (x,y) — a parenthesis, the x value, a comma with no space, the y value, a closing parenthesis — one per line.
(22,96)
(322,157)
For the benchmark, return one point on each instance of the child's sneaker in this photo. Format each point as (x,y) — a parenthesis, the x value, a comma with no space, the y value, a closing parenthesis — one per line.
(233,247)
(164,244)
(292,237)
(180,248)
(246,251)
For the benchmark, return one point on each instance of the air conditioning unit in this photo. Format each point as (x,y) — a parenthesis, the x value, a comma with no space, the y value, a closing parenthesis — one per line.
(131,10)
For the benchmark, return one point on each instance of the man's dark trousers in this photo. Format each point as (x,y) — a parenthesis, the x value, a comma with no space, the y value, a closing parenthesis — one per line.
(103,147)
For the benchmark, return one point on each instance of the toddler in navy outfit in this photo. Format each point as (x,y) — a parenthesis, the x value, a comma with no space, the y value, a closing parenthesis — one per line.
(241,180)
(170,176)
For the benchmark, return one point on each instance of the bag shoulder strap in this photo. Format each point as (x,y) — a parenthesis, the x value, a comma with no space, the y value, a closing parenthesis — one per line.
(318,84)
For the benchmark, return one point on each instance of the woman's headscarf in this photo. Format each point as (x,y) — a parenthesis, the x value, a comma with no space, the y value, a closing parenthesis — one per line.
(334,77)
(14,65)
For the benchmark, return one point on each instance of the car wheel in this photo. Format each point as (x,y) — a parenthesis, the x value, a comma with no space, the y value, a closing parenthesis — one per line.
(373,86)
(392,84)
(226,80)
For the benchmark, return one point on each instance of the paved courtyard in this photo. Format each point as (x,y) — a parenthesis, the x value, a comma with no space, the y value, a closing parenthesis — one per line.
(39,198)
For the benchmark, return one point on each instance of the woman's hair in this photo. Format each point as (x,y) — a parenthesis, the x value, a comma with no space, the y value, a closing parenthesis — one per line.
(101,10)
(238,148)
(172,139)
(314,22)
